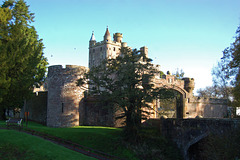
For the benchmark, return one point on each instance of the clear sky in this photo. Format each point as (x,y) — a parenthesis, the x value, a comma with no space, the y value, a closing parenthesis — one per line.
(184,34)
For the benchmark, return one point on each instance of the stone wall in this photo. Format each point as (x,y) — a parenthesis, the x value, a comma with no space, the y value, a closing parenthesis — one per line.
(186,132)
(64,96)
(37,107)
(206,107)
(94,113)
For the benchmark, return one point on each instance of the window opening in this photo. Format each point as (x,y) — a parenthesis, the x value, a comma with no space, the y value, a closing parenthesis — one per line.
(62,107)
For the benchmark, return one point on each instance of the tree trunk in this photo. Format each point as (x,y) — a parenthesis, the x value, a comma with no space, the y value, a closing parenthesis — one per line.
(133,125)
(2,114)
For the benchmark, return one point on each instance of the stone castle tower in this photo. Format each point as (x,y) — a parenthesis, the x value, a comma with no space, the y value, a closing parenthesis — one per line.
(64,95)
(107,48)
(65,104)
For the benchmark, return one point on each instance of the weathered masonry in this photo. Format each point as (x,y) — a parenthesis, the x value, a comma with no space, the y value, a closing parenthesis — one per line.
(64,104)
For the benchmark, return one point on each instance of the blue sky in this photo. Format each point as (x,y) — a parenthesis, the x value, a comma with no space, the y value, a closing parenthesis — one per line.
(184,34)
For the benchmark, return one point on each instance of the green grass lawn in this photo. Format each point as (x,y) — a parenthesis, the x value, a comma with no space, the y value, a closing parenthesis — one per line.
(18,145)
(105,139)
(108,140)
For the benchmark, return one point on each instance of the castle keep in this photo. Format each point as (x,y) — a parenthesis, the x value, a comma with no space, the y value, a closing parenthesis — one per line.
(63,103)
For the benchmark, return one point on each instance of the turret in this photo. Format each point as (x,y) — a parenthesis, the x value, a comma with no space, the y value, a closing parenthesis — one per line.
(144,49)
(189,85)
(118,37)
(107,36)
(92,41)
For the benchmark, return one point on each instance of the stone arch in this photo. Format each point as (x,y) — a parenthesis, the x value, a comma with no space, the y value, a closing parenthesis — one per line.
(191,143)
(180,103)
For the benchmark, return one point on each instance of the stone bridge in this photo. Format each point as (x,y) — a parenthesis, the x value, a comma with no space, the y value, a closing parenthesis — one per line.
(186,132)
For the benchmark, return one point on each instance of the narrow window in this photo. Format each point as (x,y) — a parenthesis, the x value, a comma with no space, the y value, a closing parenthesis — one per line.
(169,80)
(93,50)
(101,49)
(62,107)
(113,48)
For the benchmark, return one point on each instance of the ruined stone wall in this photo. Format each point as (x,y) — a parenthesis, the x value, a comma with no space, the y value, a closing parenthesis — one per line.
(206,107)
(64,96)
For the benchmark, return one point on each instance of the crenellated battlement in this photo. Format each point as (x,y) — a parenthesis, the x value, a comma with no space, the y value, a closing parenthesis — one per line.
(209,100)
(69,69)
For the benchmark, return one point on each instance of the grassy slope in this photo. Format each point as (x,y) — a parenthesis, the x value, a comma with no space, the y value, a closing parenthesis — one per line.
(18,145)
(104,139)
(108,140)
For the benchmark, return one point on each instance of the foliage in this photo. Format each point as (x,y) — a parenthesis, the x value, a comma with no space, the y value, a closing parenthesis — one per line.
(222,86)
(17,145)
(231,67)
(226,75)
(126,83)
(215,92)
(161,74)
(21,54)
(179,74)
(152,146)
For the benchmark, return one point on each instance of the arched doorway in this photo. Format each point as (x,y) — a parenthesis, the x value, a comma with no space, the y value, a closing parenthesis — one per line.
(172,107)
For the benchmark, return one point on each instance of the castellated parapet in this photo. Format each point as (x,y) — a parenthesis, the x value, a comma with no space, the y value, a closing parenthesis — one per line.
(64,95)
(64,104)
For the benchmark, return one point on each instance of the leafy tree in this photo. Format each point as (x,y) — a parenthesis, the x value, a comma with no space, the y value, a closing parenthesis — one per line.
(226,75)
(21,56)
(221,85)
(179,74)
(231,59)
(126,83)
(214,92)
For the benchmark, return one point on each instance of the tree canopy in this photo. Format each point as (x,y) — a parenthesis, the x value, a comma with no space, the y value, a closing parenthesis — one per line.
(226,75)
(179,74)
(231,67)
(126,83)
(21,54)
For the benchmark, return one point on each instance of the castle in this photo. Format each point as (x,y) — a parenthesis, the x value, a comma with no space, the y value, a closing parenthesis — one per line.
(63,103)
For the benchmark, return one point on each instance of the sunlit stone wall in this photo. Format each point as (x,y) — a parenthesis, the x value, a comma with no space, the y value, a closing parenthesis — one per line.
(64,95)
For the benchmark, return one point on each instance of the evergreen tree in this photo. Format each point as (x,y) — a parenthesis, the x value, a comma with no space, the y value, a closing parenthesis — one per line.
(5,16)
(126,83)
(21,55)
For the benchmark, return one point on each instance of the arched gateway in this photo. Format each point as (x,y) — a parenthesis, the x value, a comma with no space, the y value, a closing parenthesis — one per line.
(183,89)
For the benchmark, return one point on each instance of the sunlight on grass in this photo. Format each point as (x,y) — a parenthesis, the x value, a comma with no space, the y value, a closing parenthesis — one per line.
(18,145)
(105,139)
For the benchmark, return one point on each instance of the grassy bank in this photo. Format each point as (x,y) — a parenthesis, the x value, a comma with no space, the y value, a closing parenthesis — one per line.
(109,140)
(105,139)
(18,145)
